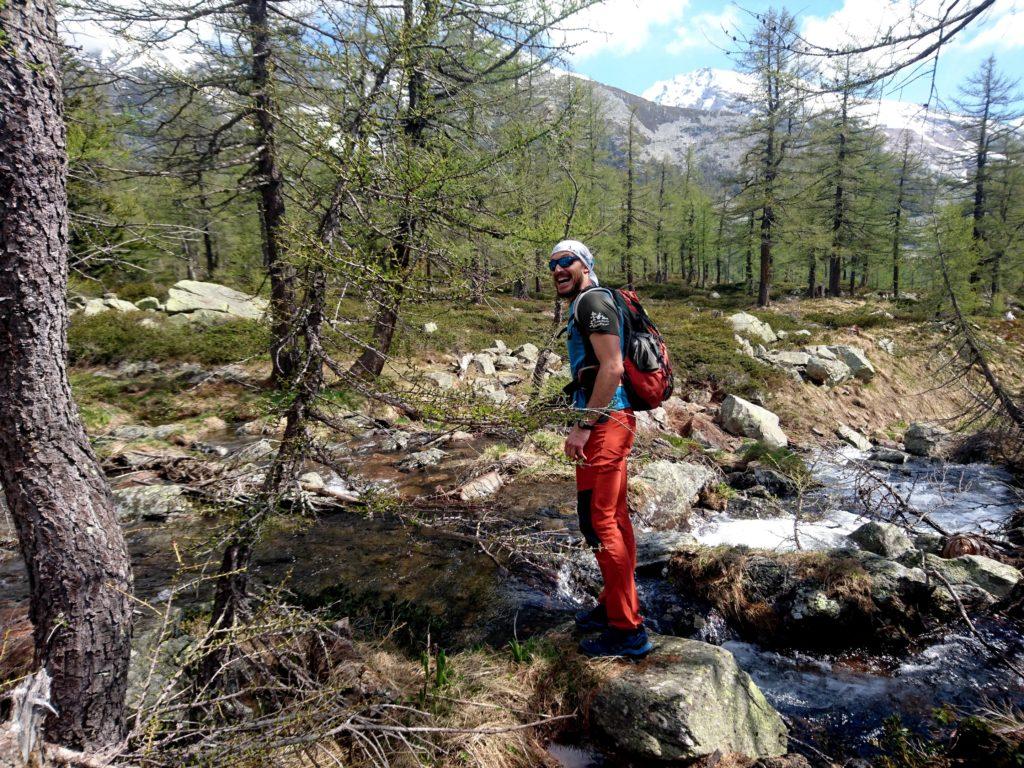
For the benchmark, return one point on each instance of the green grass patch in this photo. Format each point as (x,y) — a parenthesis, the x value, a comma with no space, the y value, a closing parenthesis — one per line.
(784,460)
(862,317)
(113,337)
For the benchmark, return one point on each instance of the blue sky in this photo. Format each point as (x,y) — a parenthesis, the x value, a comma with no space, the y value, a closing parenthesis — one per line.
(633,43)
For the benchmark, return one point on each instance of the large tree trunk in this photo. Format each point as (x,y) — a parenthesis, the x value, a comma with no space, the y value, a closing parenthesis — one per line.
(74,551)
(284,353)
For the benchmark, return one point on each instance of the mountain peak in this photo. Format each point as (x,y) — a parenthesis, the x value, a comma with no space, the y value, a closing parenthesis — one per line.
(706,89)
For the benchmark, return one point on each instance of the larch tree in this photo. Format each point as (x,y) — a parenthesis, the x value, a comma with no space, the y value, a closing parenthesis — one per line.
(78,568)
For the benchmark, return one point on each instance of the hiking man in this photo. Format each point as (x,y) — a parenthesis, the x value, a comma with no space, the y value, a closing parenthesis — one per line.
(599,442)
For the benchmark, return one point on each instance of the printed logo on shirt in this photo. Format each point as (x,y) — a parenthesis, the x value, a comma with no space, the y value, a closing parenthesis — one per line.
(598,320)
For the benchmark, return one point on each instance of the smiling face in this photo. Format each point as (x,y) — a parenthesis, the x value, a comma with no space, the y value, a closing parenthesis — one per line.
(569,281)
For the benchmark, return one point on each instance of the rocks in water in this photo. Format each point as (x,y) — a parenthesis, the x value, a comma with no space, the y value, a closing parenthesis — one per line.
(826,371)
(211,301)
(260,450)
(850,435)
(855,359)
(889,455)
(481,487)
(884,539)
(748,325)
(993,577)
(688,700)
(926,439)
(151,502)
(431,457)
(396,441)
(665,491)
(656,548)
(774,482)
(745,419)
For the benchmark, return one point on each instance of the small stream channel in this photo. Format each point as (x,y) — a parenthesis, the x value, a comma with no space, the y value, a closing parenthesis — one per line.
(388,570)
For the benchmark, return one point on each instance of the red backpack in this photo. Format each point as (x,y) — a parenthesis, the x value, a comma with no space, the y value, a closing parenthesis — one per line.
(648,371)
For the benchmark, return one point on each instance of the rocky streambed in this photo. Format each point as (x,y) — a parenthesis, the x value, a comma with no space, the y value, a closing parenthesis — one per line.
(838,620)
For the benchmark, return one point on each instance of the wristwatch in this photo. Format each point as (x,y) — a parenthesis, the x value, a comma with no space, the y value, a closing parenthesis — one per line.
(584,424)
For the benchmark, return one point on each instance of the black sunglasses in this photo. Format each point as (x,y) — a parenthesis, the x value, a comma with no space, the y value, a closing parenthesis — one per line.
(563,262)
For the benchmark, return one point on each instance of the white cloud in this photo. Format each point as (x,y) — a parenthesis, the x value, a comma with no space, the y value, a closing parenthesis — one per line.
(705,29)
(618,26)
(1004,28)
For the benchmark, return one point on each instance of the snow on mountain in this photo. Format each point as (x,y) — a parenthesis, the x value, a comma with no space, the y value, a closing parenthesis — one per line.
(706,89)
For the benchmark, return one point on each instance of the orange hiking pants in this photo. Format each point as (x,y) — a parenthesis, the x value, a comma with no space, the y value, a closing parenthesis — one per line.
(604,518)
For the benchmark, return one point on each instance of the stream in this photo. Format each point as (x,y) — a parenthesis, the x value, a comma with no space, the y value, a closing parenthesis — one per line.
(390,570)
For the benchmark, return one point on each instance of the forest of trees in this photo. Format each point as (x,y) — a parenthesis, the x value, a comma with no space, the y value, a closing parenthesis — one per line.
(401,153)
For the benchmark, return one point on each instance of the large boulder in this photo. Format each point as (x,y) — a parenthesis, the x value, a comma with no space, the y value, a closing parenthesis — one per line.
(822,370)
(665,491)
(923,439)
(211,301)
(745,419)
(995,578)
(151,502)
(687,701)
(748,325)
(883,539)
(856,361)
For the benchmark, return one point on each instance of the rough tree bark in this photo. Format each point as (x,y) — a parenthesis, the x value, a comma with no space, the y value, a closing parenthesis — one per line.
(79,574)
(284,354)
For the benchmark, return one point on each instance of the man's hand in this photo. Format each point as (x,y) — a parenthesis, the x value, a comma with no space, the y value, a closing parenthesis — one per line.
(575,443)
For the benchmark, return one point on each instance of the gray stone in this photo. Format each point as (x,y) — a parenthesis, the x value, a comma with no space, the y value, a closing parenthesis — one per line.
(107,304)
(853,437)
(745,348)
(856,361)
(654,548)
(254,452)
(133,432)
(923,439)
(665,491)
(484,363)
(213,301)
(889,455)
(423,459)
(312,482)
(430,327)
(442,379)
(812,604)
(886,345)
(745,419)
(491,390)
(773,482)
(481,487)
(825,353)
(821,370)
(714,295)
(992,576)
(527,352)
(509,379)
(506,362)
(151,502)
(396,441)
(748,325)
(687,701)
(788,358)
(802,332)
(883,539)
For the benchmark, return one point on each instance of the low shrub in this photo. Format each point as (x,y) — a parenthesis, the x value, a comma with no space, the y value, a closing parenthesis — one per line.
(113,337)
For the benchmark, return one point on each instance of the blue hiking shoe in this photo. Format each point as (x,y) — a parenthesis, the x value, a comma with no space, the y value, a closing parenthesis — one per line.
(593,620)
(633,643)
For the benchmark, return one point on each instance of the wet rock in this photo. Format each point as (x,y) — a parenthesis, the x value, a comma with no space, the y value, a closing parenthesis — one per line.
(211,301)
(664,492)
(812,604)
(889,455)
(850,435)
(255,452)
(995,578)
(423,459)
(790,761)
(158,656)
(829,373)
(743,418)
(884,539)
(442,379)
(774,482)
(924,439)
(165,431)
(855,359)
(687,701)
(656,548)
(151,502)
(748,325)
(481,487)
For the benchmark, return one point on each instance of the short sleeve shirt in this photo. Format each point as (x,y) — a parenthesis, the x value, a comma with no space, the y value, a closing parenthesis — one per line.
(597,314)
